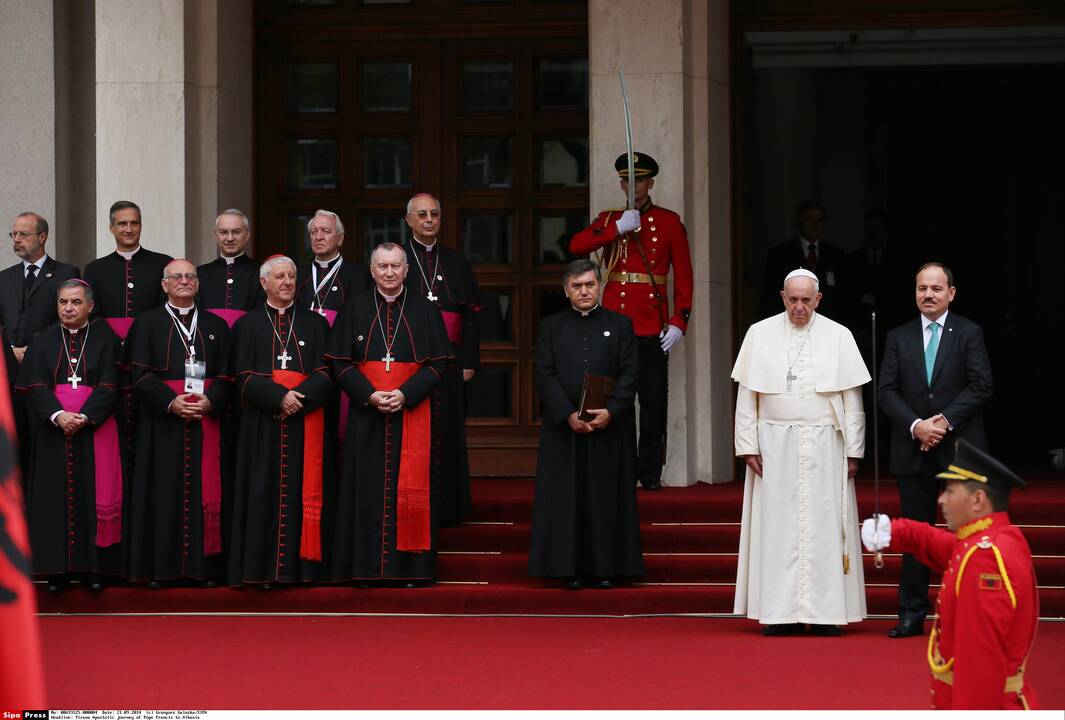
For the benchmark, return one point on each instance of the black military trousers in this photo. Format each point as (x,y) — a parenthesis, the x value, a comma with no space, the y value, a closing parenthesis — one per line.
(917,501)
(651,386)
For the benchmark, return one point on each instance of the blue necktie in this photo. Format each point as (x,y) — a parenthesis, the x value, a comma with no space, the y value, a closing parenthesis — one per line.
(930,351)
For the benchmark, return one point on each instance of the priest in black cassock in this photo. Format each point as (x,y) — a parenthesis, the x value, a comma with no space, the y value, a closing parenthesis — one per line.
(585,525)
(388,349)
(445,278)
(327,283)
(229,284)
(178,357)
(126,282)
(279,530)
(74,484)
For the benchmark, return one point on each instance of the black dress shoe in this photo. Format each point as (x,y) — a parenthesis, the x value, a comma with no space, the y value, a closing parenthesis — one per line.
(907,627)
(826,630)
(604,583)
(208,584)
(266,587)
(783,629)
(410,585)
(574,584)
(155,585)
(56,586)
(96,583)
(651,484)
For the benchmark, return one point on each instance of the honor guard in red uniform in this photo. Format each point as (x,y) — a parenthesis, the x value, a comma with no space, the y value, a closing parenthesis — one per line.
(988,606)
(637,248)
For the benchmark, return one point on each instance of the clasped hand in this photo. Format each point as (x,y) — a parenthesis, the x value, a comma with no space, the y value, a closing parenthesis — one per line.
(388,401)
(191,406)
(70,422)
(582,427)
(931,432)
(290,404)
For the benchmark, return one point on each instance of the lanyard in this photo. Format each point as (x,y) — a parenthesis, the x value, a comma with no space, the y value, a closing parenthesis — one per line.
(325,281)
(187,336)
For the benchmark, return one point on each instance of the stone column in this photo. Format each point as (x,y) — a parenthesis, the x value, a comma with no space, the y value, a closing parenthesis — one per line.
(676,67)
(169,135)
(27,116)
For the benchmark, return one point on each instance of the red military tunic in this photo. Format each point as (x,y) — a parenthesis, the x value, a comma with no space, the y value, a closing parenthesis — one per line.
(988,609)
(664,243)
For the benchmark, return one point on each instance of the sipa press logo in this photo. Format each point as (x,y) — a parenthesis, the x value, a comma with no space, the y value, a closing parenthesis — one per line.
(29,715)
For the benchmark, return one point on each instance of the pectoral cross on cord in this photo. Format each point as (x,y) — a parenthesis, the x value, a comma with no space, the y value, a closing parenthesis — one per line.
(388,359)
(284,357)
(73,379)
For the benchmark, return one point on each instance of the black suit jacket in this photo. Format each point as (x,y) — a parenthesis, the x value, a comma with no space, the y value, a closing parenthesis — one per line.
(23,314)
(788,256)
(960,388)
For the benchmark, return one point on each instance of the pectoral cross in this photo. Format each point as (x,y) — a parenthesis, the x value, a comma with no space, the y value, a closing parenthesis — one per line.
(73,379)
(432,298)
(388,360)
(790,378)
(284,357)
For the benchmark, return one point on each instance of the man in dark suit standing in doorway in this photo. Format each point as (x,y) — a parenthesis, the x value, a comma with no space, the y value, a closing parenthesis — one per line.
(934,385)
(808,250)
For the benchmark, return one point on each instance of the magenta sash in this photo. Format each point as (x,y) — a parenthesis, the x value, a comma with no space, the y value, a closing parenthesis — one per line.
(210,475)
(329,315)
(230,316)
(108,471)
(453,323)
(120,325)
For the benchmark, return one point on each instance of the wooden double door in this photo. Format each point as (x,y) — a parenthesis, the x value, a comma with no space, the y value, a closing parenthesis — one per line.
(360,107)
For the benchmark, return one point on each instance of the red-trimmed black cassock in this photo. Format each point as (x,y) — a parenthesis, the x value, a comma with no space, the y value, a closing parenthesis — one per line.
(230,287)
(123,288)
(444,277)
(385,526)
(175,513)
(279,528)
(74,487)
(585,521)
(325,288)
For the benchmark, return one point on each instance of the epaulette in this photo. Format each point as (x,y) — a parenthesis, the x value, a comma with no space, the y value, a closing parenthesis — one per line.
(986,544)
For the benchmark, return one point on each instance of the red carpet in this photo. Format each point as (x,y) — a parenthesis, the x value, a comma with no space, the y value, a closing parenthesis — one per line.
(484,663)
(690,539)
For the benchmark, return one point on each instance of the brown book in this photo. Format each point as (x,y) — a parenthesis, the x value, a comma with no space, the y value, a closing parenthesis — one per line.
(595,391)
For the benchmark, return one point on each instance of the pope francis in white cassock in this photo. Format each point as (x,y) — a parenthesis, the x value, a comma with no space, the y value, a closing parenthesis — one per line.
(801,428)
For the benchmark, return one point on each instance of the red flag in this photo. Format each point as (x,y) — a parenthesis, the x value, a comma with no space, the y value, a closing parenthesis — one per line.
(21,677)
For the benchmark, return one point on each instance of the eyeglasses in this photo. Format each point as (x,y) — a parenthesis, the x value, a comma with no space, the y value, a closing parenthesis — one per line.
(239,232)
(21,234)
(176,277)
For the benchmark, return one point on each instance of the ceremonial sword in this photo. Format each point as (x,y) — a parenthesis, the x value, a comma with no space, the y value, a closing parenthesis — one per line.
(878,557)
(628,141)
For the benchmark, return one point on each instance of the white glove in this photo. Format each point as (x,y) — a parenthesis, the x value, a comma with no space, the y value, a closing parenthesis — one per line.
(629,221)
(669,337)
(876,537)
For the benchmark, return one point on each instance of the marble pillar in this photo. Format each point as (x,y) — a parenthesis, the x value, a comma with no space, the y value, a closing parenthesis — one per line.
(675,61)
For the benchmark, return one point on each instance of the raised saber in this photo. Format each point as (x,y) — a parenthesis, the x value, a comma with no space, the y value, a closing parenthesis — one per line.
(628,141)
(878,557)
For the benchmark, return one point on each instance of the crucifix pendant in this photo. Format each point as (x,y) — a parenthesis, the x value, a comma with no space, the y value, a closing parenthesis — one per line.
(284,357)
(388,360)
(790,378)
(73,379)
(432,298)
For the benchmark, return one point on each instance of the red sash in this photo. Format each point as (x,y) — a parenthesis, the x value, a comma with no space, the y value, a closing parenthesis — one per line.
(108,470)
(313,440)
(210,474)
(453,323)
(230,316)
(412,498)
(120,325)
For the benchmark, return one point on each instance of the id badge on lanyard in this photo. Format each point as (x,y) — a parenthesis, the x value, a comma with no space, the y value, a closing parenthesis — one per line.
(195,374)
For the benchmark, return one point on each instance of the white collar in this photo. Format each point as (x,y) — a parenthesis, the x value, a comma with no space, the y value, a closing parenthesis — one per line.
(129,255)
(231,260)
(942,320)
(75,330)
(807,243)
(390,298)
(39,263)
(427,248)
(326,263)
(584,313)
(181,310)
(280,311)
